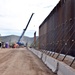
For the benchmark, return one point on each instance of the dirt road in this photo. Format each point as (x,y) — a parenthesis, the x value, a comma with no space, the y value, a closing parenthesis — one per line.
(21,62)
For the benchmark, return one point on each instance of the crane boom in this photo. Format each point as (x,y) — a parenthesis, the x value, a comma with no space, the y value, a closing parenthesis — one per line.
(25,28)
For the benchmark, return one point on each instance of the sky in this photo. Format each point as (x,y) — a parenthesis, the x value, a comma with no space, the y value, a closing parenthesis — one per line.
(15,14)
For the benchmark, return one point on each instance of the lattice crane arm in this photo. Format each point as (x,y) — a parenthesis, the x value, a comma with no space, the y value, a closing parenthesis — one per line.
(25,28)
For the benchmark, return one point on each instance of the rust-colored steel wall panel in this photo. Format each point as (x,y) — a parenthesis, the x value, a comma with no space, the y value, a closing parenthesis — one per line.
(42,39)
(57,32)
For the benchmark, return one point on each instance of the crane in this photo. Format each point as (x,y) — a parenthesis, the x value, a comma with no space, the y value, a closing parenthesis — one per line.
(25,29)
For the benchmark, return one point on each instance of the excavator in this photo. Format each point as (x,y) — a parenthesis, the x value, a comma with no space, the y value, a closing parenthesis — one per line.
(19,43)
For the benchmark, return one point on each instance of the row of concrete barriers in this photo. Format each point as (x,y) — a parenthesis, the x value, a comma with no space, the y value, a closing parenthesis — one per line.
(56,66)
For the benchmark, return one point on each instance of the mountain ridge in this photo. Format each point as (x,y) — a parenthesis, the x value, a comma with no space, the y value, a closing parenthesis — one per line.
(14,39)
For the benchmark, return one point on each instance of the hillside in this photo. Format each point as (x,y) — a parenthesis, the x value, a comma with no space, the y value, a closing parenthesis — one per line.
(14,38)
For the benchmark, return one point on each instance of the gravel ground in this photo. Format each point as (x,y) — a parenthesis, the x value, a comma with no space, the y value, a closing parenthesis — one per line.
(20,61)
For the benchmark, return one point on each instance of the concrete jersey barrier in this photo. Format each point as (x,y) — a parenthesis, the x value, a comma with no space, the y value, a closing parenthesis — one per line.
(56,66)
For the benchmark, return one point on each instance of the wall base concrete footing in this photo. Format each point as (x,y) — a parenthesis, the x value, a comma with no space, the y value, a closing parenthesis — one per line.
(56,66)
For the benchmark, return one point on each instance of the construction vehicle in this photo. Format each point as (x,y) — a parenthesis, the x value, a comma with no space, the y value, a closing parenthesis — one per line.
(19,43)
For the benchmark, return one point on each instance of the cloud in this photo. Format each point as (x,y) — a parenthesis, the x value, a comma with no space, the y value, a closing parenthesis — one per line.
(14,15)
